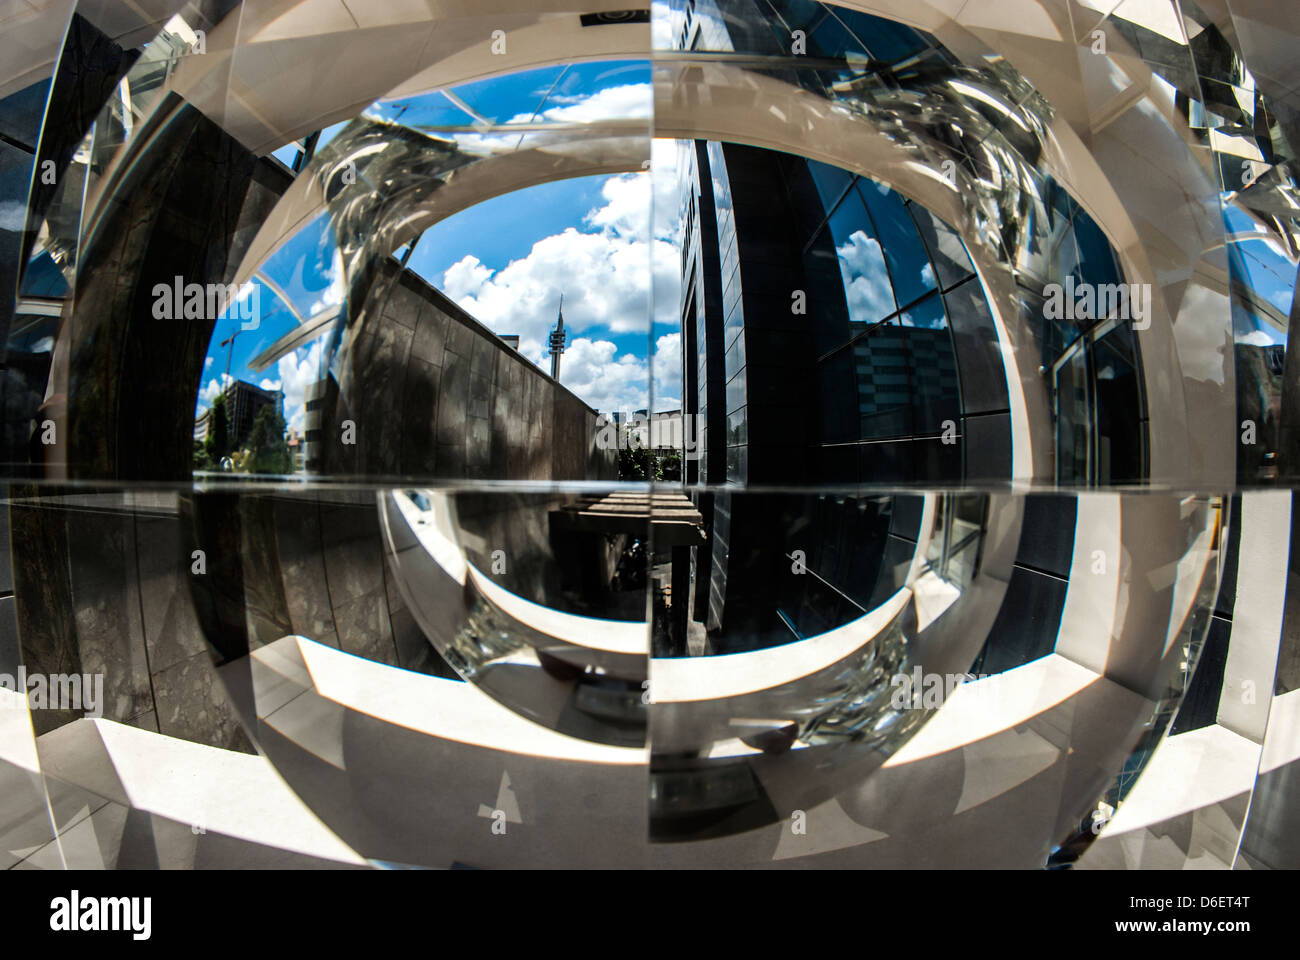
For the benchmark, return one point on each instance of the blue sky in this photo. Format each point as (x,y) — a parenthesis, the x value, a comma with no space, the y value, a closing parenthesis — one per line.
(521,227)
(546,94)
(508,260)
(494,230)
(1269,271)
(304,269)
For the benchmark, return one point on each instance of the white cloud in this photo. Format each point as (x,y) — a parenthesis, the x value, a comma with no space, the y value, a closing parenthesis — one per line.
(626,212)
(665,159)
(625,102)
(630,101)
(668,372)
(606,268)
(866,280)
(332,295)
(594,371)
(214,387)
(605,279)
(465,276)
(13,216)
(666,24)
(298,371)
(1258,338)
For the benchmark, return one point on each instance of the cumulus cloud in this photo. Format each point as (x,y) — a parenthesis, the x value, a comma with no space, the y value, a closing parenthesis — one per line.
(665,26)
(466,276)
(866,280)
(607,380)
(212,388)
(298,371)
(665,168)
(1258,338)
(615,268)
(624,102)
(605,278)
(595,372)
(629,101)
(668,372)
(332,295)
(626,211)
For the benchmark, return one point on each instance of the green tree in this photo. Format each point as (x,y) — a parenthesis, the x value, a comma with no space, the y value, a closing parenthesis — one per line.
(639,463)
(218,443)
(268,449)
(670,467)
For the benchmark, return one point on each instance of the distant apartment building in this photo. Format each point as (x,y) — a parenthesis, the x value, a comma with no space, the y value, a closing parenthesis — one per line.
(297,449)
(311,449)
(660,432)
(243,403)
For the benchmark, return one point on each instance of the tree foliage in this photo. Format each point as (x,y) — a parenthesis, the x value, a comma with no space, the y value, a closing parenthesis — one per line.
(267,448)
(218,442)
(641,463)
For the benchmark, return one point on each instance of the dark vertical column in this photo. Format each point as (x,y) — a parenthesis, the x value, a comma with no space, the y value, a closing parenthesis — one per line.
(714,464)
(1288,447)
(133,379)
(90,67)
(777,359)
(214,524)
(10,653)
(690,383)
(681,597)
(703,558)
(46,619)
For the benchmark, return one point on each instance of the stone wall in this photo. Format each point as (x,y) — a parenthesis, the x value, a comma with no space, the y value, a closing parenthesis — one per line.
(434,393)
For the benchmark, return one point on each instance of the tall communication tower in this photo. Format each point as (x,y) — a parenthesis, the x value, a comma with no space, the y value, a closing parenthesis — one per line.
(558,341)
